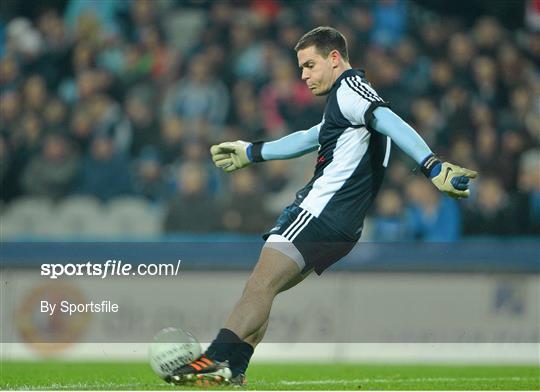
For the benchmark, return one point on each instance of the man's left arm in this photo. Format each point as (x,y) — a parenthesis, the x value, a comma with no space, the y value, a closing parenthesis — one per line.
(448,178)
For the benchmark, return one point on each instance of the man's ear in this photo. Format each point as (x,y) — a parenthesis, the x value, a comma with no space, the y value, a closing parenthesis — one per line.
(335,56)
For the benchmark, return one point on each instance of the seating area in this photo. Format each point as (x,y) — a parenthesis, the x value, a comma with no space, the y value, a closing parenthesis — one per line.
(79,217)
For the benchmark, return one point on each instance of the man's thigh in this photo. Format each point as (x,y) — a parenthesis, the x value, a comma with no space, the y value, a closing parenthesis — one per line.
(275,271)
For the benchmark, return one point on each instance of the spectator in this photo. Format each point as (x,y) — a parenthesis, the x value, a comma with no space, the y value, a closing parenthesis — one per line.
(488,34)
(105,172)
(527,199)
(10,110)
(491,212)
(137,66)
(487,146)
(83,58)
(460,54)
(247,112)
(523,114)
(442,78)
(414,67)
(24,41)
(248,54)
(244,211)
(4,166)
(27,136)
(513,145)
(428,120)
(35,93)
(141,120)
(486,82)
(389,77)
(431,216)
(192,209)
(285,99)
(390,21)
(163,59)
(81,129)
(463,151)
(53,63)
(109,121)
(512,65)
(389,223)
(198,96)
(149,176)
(432,39)
(24,143)
(55,115)
(52,173)
(143,13)
(10,76)
(455,106)
(171,144)
(103,12)
(276,176)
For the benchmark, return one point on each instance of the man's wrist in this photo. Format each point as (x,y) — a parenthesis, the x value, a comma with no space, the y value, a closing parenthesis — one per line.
(431,166)
(254,152)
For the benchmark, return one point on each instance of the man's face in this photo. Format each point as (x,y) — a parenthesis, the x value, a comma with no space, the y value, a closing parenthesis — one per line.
(317,71)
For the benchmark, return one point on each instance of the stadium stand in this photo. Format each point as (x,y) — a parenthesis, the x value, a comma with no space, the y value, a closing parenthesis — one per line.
(88,91)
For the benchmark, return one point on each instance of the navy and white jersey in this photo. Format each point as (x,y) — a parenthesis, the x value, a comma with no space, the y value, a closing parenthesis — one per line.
(351,158)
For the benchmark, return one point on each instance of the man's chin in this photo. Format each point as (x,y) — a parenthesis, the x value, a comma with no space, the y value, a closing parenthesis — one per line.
(319,93)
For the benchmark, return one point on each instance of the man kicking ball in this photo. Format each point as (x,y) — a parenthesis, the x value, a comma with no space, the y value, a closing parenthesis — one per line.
(325,220)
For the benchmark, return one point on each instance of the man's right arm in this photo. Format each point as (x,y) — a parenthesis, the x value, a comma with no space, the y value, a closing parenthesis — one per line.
(231,156)
(291,146)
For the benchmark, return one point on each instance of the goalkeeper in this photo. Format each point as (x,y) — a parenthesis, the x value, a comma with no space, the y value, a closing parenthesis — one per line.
(325,220)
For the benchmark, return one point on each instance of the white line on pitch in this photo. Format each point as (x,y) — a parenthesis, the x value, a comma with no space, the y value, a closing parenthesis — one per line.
(408,380)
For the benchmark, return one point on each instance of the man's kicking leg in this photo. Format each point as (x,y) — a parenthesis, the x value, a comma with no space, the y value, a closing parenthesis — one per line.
(240,357)
(274,272)
(255,338)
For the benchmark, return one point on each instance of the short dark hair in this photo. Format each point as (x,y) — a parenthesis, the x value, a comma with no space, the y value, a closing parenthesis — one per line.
(325,39)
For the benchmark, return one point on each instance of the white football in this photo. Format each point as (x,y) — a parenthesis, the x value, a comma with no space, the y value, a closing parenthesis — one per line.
(172,348)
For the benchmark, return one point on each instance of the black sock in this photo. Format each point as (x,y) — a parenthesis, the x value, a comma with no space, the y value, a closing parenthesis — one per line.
(225,341)
(239,358)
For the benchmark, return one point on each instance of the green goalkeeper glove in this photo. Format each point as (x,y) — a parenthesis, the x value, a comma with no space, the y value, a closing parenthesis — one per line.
(231,156)
(448,178)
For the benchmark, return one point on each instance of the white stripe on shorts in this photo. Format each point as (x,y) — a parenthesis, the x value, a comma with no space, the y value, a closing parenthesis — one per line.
(296,223)
(294,235)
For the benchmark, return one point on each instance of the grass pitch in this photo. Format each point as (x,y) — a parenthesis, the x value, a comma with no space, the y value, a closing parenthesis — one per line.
(295,376)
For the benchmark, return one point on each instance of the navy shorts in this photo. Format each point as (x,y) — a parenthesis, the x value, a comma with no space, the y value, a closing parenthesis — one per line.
(316,246)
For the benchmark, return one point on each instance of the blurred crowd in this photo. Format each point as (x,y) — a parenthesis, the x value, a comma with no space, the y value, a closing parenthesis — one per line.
(116,97)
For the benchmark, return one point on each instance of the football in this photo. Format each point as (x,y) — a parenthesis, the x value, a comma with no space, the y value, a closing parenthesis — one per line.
(171,349)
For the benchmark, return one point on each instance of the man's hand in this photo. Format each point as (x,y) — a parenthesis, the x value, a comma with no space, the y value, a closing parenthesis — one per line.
(231,156)
(448,178)
(452,180)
